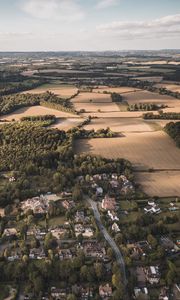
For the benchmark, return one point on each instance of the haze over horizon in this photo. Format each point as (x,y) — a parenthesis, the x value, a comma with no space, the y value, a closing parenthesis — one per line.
(94,25)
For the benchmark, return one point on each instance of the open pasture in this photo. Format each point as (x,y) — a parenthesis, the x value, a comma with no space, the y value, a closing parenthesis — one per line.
(59,90)
(35,111)
(161,183)
(89,97)
(145,150)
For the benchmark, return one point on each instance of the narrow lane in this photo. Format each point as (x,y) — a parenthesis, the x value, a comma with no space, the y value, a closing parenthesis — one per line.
(118,255)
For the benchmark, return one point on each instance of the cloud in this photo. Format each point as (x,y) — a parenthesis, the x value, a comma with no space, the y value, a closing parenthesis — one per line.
(65,10)
(168,26)
(106,3)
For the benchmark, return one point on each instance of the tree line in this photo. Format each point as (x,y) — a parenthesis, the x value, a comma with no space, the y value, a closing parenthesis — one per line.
(173,129)
(162,116)
(144,107)
(45,120)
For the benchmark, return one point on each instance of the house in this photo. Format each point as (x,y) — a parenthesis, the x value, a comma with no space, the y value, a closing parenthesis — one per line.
(12,179)
(88,232)
(152,209)
(113,216)
(39,205)
(79,217)
(37,253)
(114,184)
(79,229)
(114,176)
(140,291)
(86,293)
(10,232)
(143,247)
(105,291)
(99,191)
(109,203)
(152,274)
(94,249)
(58,232)
(13,257)
(97,177)
(167,244)
(68,204)
(40,233)
(151,203)
(65,254)
(58,294)
(115,227)
(164,294)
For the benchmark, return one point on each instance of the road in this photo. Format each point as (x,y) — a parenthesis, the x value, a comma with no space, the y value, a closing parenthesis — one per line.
(118,255)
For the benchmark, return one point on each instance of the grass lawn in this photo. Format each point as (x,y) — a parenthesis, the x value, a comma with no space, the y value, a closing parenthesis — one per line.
(125,205)
(54,221)
(130,218)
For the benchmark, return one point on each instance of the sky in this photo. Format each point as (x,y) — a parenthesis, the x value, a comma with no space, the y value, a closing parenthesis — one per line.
(89,25)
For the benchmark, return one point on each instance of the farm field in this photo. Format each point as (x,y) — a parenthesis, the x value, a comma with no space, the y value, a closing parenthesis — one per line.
(118,90)
(120,124)
(96,107)
(66,124)
(150,78)
(92,98)
(145,150)
(165,183)
(171,87)
(60,90)
(148,97)
(34,111)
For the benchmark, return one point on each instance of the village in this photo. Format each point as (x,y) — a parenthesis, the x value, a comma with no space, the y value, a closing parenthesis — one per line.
(60,228)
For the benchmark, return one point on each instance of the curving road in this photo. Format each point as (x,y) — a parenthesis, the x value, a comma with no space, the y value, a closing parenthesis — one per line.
(109,239)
